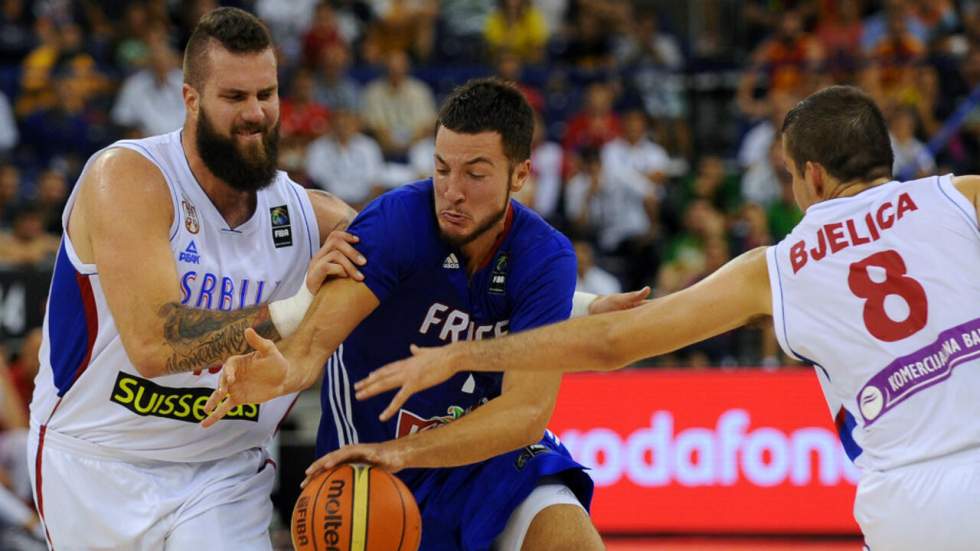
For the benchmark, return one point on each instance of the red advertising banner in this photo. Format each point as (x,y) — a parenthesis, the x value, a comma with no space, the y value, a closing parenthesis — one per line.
(745,451)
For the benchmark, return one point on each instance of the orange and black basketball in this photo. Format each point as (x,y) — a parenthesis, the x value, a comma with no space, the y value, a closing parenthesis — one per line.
(354,507)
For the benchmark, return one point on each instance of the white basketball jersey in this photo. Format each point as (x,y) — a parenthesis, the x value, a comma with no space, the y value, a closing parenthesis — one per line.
(88,389)
(880,292)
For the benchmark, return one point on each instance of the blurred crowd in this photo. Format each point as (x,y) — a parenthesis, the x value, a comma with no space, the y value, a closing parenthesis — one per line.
(656,145)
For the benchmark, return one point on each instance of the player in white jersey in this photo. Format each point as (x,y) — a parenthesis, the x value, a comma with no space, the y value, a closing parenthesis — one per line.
(172,246)
(875,287)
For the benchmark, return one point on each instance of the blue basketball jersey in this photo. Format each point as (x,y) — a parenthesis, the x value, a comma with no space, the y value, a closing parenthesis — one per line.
(428,298)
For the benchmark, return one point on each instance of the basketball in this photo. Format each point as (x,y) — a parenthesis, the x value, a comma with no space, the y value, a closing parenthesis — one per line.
(354,507)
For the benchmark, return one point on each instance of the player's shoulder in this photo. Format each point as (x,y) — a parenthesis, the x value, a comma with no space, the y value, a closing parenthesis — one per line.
(968,185)
(120,171)
(534,240)
(403,214)
(408,198)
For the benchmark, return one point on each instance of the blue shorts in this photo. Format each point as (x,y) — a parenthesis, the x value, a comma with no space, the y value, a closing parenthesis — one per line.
(465,508)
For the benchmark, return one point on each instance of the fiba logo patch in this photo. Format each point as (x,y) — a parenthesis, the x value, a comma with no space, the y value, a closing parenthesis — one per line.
(282,232)
(498,277)
(871,402)
(190,216)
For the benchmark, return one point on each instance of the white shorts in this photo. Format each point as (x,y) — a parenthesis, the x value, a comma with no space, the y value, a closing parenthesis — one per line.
(544,496)
(931,505)
(89,499)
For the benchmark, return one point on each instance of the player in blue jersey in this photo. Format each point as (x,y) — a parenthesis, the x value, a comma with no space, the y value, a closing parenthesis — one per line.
(449,259)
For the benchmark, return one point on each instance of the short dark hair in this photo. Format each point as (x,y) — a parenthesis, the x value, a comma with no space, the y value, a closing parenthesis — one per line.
(491,105)
(235,30)
(841,128)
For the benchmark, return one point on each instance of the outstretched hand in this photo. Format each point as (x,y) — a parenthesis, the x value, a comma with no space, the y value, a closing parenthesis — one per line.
(425,368)
(248,379)
(619,301)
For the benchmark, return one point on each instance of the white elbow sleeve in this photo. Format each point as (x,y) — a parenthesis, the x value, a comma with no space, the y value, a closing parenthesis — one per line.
(287,313)
(581,302)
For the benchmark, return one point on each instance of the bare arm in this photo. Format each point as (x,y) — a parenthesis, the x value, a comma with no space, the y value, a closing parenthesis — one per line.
(734,295)
(729,298)
(121,224)
(970,187)
(331,212)
(515,419)
(339,307)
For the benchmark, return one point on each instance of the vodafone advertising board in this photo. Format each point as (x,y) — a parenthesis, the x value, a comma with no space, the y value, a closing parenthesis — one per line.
(716,452)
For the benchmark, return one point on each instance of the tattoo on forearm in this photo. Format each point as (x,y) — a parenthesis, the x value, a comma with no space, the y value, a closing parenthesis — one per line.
(201,338)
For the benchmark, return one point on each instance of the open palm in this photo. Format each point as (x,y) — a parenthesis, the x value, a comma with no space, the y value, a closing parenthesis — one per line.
(250,378)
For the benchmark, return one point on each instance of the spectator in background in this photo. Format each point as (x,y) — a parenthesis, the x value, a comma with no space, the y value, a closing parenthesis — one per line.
(596,124)
(345,162)
(25,367)
(511,68)
(16,34)
(332,87)
(547,160)
(397,108)
(8,127)
(646,44)
(912,158)
(635,153)
(69,131)
(686,258)
(583,199)
(132,51)
(36,92)
(897,73)
(287,21)
(20,527)
(754,149)
(517,27)
(621,206)
(51,195)
(878,26)
(301,118)
(762,181)
(588,45)
(401,26)
(151,101)
(322,34)
(26,243)
(461,26)
(591,278)
(9,192)
(658,79)
(791,61)
(712,182)
(839,31)
(751,228)
(783,214)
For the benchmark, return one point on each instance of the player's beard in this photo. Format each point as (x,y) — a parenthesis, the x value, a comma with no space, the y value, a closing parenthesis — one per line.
(248,170)
(458,241)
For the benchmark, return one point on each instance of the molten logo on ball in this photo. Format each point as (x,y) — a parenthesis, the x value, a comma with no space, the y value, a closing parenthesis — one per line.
(332,521)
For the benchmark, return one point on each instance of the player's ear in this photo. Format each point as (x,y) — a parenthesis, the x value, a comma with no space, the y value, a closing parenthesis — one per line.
(813,176)
(520,175)
(192,99)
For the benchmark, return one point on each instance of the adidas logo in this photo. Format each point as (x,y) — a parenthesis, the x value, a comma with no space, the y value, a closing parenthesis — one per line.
(451,262)
(190,254)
